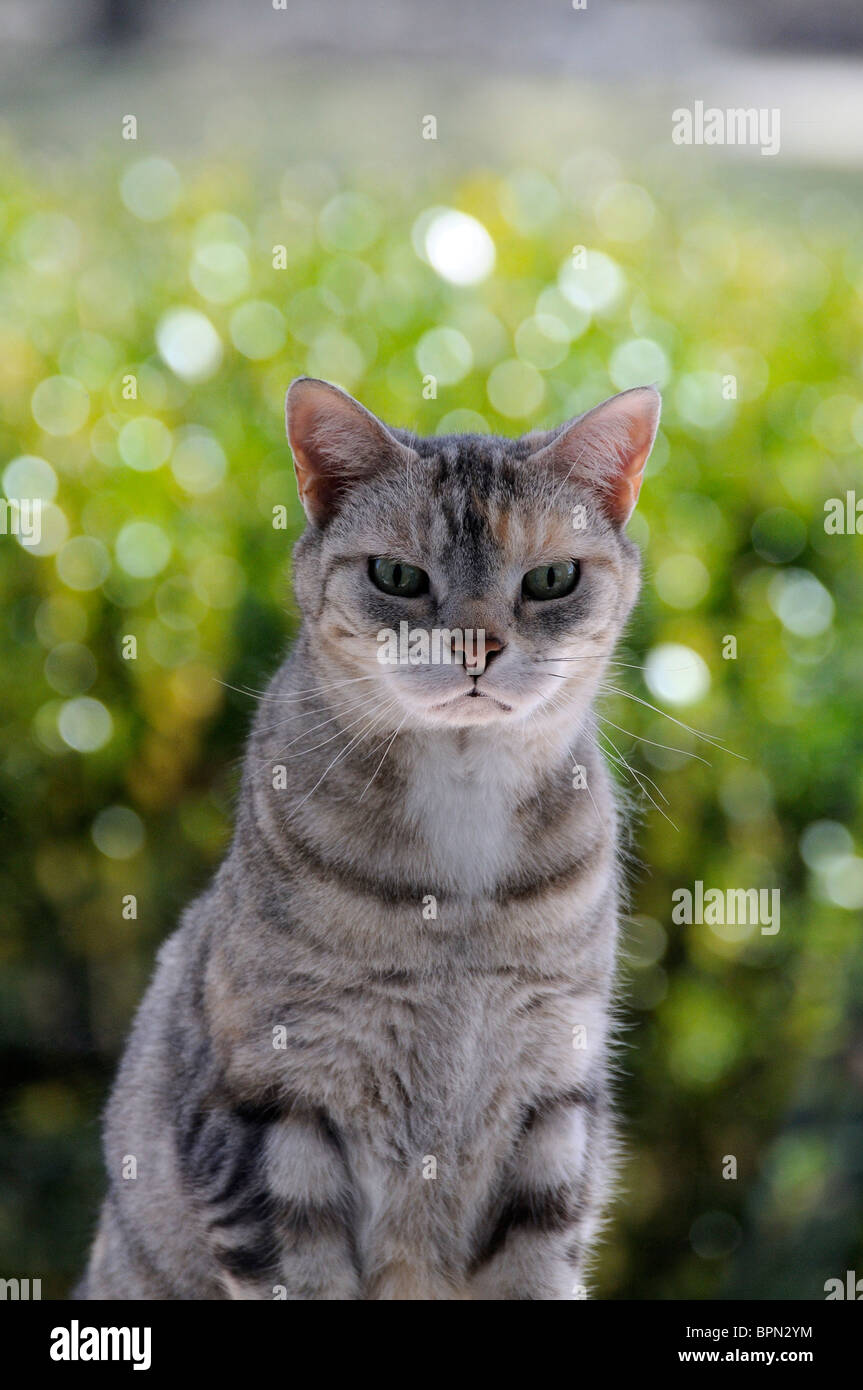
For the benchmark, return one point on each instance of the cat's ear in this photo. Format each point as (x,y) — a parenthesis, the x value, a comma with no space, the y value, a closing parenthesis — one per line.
(607,448)
(336,443)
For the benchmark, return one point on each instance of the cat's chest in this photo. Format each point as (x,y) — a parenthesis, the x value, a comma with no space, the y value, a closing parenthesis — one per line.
(461,809)
(449,1065)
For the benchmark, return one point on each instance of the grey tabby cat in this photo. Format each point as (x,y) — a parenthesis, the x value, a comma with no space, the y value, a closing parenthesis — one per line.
(374,1059)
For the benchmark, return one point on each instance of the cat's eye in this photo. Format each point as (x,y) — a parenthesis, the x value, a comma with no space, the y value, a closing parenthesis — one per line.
(551,581)
(397,577)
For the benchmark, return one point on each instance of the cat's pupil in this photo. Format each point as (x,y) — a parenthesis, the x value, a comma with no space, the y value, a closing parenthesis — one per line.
(398,578)
(551,581)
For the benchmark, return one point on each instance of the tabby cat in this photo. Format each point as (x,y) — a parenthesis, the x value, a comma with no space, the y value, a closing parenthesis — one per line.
(373,1062)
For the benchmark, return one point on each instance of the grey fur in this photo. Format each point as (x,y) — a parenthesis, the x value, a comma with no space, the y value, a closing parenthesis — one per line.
(358,1071)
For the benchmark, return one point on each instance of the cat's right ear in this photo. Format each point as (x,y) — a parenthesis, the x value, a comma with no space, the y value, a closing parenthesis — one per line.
(607,447)
(336,444)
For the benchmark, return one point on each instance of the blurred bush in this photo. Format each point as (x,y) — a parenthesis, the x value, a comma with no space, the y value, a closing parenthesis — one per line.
(152,317)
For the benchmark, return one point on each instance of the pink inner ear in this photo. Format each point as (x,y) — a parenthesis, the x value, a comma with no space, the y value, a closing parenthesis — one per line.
(634,454)
(608,448)
(301,430)
(335,443)
(316,480)
(627,492)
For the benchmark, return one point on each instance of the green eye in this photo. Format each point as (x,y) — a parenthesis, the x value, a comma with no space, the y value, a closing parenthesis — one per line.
(398,578)
(551,581)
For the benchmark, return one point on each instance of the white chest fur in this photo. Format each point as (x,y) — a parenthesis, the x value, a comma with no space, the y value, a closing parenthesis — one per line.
(462,801)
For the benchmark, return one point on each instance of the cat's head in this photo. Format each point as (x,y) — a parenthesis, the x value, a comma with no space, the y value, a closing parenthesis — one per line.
(413,542)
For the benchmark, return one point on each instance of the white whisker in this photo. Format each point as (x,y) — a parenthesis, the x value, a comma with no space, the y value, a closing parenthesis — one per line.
(358,738)
(669,747)
(708,738)
(382,761)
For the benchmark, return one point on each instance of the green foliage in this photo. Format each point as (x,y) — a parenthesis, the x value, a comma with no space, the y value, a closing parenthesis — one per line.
(158,524)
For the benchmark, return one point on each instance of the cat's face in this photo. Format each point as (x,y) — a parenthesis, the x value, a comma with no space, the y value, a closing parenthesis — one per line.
(466,580)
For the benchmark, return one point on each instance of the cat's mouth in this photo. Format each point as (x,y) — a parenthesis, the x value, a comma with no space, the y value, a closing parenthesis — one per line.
(475,694)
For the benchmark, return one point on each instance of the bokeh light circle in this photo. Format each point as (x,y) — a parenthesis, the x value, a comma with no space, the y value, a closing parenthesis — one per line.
(142,549)
(676,674)
(459,248)
(189,344)
(144,443)
(515,389)
(30,476)
(445,354)
(60,405)
(85,724)
(150,188)
(118,832)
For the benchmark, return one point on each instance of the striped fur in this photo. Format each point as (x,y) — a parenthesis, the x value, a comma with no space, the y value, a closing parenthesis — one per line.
(373,1062)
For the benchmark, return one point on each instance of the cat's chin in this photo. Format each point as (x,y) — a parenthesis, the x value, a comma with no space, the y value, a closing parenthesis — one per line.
(469,709)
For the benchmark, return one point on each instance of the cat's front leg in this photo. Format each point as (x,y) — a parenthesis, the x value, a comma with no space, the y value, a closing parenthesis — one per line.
(536,1238)
(276,1199)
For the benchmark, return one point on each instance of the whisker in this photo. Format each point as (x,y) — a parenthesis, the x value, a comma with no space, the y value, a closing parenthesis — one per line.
(382,761)
(358,738)
(304,714)
(556,704)
(669,747)
(708,738)
(304,752)
(309,694)
(659,792)
(276,728)
(588,657)
(639,781)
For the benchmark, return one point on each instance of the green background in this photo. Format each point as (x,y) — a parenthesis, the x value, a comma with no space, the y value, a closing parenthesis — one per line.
(118,775)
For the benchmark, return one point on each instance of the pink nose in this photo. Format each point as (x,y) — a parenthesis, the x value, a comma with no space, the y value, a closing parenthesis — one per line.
(485,654)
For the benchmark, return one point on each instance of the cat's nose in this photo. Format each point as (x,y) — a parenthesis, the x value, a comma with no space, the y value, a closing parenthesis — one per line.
(493,647)
(486,652)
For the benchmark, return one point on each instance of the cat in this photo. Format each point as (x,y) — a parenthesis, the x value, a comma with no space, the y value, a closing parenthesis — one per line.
(374,1061)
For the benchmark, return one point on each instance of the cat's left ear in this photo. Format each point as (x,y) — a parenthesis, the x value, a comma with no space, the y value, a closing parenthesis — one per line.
(336,444)
(607,448)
